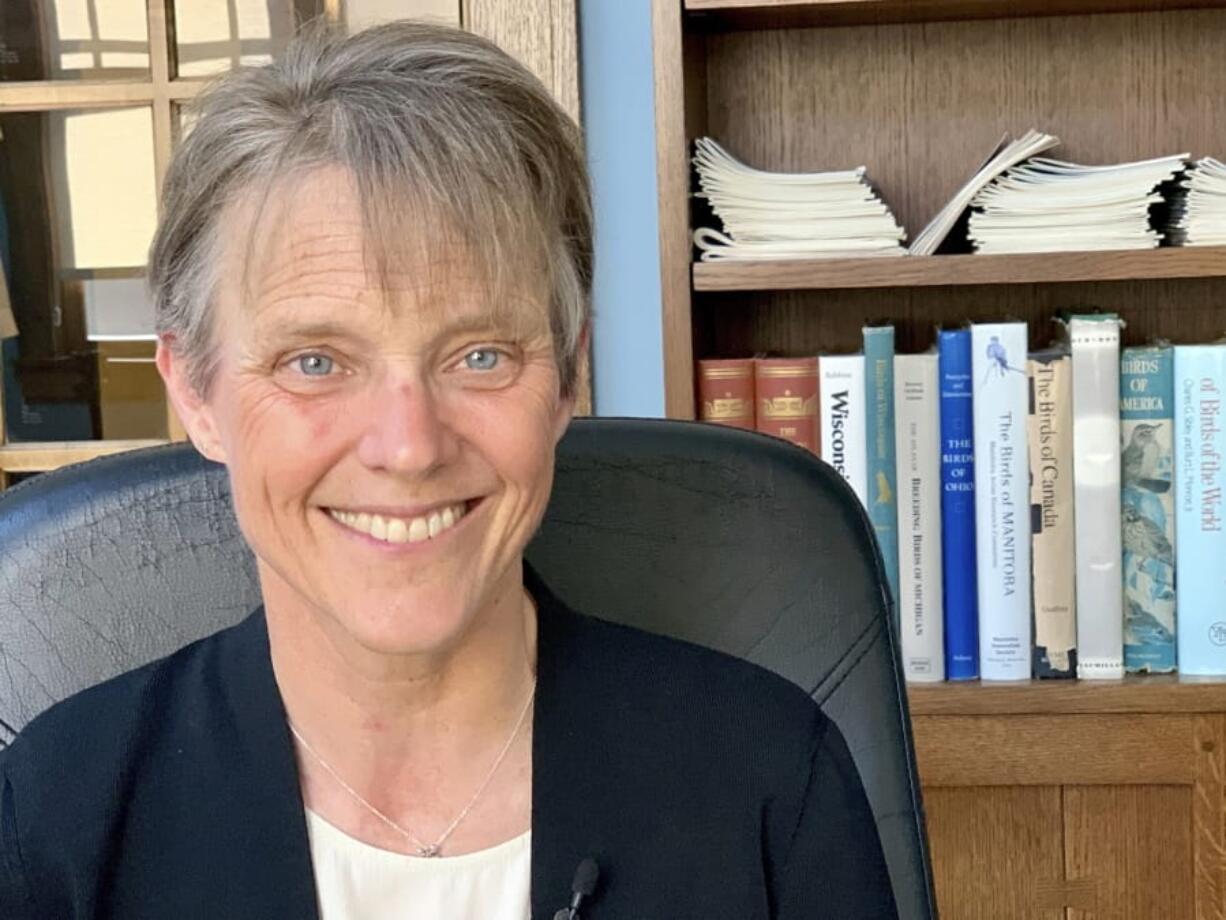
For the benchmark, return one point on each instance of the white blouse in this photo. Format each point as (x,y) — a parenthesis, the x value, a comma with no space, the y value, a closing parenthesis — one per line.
(357,881)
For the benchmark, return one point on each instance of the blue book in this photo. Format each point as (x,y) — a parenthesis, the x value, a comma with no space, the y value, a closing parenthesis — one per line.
(879,431)
(1200,518)
(958,506)
(1147,427)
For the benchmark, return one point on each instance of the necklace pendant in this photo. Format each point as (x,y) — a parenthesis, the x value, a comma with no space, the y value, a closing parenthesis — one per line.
(429,852)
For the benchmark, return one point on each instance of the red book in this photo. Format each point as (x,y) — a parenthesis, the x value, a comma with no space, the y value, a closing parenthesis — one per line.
(725,392)
(786,390)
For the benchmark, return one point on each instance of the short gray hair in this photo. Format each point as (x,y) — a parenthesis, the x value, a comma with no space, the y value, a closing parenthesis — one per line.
(432,123)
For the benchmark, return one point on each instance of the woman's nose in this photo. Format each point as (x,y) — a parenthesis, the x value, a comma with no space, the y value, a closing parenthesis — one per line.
(406,432)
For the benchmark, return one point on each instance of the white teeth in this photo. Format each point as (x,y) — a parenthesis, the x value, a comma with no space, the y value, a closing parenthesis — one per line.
(401,530)
(378,527)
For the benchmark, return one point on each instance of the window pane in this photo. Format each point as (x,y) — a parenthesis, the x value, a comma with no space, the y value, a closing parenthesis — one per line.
(216,35)
(77,212)
(73,40)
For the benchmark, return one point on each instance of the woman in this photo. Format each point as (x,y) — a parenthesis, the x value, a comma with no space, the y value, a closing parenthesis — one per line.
(372,278)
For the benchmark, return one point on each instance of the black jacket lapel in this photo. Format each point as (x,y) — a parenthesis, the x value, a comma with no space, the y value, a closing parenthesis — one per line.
(253,830)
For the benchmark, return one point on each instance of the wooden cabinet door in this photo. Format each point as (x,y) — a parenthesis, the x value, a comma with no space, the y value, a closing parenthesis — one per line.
(1114,816)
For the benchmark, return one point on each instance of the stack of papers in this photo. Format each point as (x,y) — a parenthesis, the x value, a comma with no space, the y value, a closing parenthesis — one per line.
(1198,207)
(769,215)
(1007,153)
(1051,206)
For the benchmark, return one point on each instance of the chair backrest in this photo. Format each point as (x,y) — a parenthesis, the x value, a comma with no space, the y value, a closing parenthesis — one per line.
(722,537)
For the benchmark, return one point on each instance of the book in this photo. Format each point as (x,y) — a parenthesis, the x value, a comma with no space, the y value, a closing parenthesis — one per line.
(786,394)
(917,416)
(726,392)
(879,446)
(841,409)
(961,605)
(1094,342)
(1147,506)
(1002,538)
(1200,534)
(1008,153)
(777,215)
(1052,535)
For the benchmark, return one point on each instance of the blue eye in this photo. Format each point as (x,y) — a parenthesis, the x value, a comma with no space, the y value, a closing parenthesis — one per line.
(315,365)
(482,359)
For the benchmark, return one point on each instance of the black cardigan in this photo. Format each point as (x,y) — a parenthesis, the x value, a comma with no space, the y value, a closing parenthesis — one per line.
(703,786)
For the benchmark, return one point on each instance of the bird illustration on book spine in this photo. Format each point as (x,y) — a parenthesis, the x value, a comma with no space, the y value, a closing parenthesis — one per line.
(1140,460)
(998,360)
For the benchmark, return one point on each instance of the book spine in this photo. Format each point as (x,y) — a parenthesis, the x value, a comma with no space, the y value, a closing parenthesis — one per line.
(1200,538)
(958,506)
(917,448)
(1147,508)
(879,447)
(1001,499)
(726,392)
(1095,345)
(1052,534)
(841,396)
(786,391)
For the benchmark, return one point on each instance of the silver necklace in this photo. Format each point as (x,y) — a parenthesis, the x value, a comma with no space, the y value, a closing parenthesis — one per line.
(423,849)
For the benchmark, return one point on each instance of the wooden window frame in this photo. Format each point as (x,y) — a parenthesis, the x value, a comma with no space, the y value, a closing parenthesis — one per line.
(162,92)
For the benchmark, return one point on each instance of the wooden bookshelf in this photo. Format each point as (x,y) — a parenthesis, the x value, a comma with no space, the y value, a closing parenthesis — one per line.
(949,270)
(790,14)
(1148,693)
(1052,800)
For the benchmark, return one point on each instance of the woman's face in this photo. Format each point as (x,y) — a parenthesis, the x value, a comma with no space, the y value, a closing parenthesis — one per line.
(390,453)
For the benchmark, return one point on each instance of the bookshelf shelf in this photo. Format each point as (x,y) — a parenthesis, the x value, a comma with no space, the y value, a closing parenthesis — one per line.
(1152,693)
(951,270)
(39,457)
(721,15)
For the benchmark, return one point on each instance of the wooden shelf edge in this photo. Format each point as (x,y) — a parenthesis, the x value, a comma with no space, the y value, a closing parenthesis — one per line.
(1134,694)
(40,457)
(35,96)
(953,270)
(730,15)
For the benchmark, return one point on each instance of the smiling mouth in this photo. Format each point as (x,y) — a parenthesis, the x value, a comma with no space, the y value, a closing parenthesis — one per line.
(401,530)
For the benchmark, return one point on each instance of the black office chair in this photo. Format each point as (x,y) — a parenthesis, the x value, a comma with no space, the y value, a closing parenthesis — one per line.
(722,537)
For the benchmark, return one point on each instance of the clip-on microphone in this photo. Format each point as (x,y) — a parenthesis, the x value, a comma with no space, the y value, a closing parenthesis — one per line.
(581,888)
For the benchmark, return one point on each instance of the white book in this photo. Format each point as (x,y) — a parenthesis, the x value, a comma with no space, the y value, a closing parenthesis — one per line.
(1002,498)
(841,394)
(917,444)
(1094,342)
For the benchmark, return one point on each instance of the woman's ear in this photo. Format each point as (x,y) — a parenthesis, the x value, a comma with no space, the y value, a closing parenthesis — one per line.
(193,410)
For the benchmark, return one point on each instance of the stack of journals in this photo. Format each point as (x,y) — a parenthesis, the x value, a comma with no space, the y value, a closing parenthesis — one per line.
(1046,205)
(1009,152)
(769,215)
(1198,207)
(1033,509)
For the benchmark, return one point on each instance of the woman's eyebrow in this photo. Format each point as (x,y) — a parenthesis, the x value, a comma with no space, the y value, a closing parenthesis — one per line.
(310,331)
